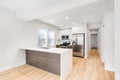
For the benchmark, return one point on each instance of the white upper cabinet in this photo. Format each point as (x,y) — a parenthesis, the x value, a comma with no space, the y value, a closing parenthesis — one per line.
(65,32)
(78,28)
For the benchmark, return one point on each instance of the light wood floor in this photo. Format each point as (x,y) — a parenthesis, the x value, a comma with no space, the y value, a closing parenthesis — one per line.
(83,69)
(27,72)
(91,68)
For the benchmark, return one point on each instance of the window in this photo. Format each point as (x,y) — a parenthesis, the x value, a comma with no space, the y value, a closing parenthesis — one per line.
(45,38)
(50,38)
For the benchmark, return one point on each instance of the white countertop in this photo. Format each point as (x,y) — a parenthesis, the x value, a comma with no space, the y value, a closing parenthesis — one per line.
(66,58)
(51,50)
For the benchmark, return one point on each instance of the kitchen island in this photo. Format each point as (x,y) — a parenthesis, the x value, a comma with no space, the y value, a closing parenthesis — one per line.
(54,60)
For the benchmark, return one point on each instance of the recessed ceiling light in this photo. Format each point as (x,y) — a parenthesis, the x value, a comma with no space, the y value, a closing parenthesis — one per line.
(67,18)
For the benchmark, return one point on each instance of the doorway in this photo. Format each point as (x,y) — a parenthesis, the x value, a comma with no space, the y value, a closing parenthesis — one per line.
(94,41)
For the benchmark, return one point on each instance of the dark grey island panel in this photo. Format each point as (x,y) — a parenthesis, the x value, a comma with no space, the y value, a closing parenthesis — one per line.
(44,60)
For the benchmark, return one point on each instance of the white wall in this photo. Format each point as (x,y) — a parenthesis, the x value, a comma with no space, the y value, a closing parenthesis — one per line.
(15,34)
(86,41)
(108,40)
(117,39)
(101,41)
(94,26)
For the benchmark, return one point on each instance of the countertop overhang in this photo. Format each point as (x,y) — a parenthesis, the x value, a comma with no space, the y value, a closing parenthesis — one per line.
(50,50)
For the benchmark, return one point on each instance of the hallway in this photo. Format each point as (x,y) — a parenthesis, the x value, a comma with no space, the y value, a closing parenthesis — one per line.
(91,68)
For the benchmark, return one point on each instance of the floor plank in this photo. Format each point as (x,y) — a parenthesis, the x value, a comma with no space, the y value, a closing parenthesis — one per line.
(27,72)
(90,68)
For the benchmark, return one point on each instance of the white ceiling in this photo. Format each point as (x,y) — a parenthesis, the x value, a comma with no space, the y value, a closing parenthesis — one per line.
(90,13)
(55,11)
(32,9)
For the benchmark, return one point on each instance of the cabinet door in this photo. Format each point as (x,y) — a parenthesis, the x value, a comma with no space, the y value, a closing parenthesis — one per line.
(59,34)
(70,34)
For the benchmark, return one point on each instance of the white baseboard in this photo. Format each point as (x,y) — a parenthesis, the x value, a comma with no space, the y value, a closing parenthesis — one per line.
(117,73)
(108,68)
(4,68)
